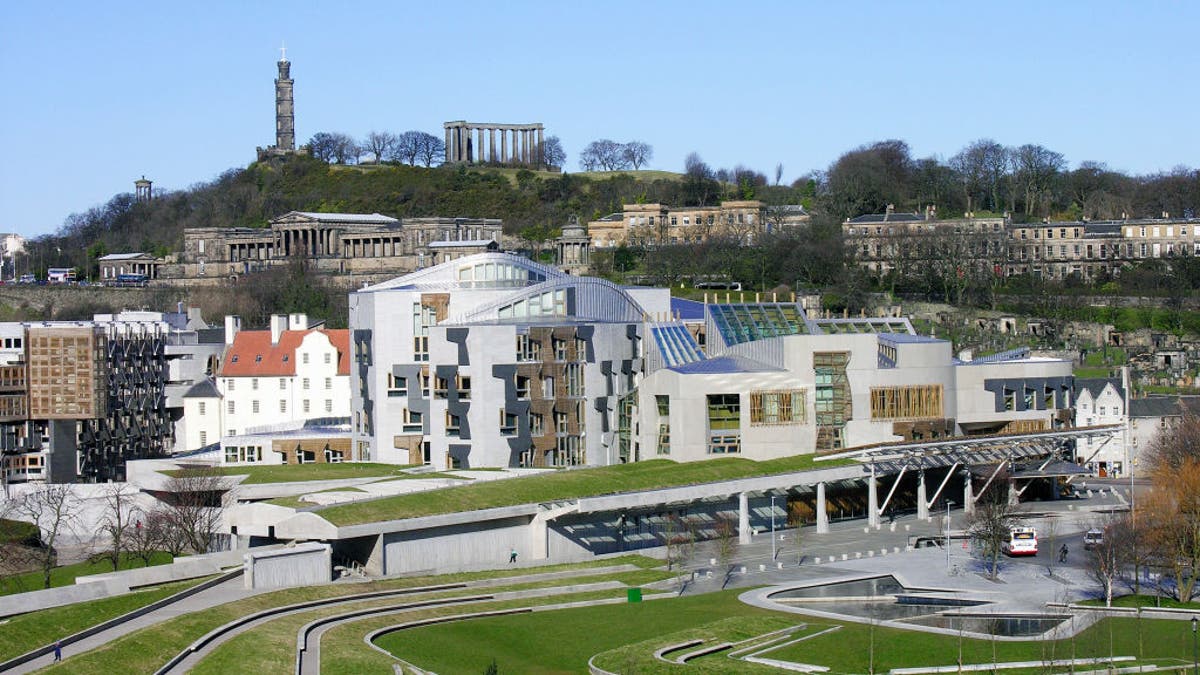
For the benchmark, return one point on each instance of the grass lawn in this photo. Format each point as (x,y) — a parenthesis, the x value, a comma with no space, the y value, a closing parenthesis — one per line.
(639,657)
(66,574)
(573,484)
(560,641)
(518,643)
(273,644)
(289,473)
(22,633)
(146,650)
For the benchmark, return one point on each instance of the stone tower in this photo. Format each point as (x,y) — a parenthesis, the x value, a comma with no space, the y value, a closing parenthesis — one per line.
(285,114)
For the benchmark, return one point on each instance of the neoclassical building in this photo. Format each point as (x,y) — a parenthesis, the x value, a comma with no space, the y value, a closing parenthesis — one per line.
(662,224)
(340,243)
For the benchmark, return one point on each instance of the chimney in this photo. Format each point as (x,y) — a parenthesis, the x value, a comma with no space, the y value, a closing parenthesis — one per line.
(232,325)
(279,323)
(1166,215)
(297,322)
(890,209)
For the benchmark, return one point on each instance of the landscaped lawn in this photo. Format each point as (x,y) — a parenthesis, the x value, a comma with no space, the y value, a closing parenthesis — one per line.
(66,574)
(559,641)
(24,632)
(289,473)
(146,650)
(571,484)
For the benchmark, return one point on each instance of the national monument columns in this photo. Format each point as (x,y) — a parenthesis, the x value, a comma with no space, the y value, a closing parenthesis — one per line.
(465,142)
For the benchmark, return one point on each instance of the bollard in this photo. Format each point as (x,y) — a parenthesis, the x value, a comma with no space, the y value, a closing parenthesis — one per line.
(712,561)
(762,568)
(908,548)
(895,549)
(778,565)
(817,560)
(742,569)
(871,553)
(857,555)
(892,527)
(907,528)
(844,556)
(883,551)
(867,530)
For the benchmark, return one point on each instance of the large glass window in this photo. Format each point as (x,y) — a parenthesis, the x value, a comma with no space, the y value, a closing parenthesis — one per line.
(777,407)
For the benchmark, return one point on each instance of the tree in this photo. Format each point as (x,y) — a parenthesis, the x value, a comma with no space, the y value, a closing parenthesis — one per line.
(778,172)
(1105,561)
(431,150)
(152,533)
(55,510)
(553,153)
(725,543)
(333,148)
(120,510)
(637,153)
(379,144)
(195,505)
(868,179)
(991,525)
(1170,513)
(407,147)
(699,182)
(603,155)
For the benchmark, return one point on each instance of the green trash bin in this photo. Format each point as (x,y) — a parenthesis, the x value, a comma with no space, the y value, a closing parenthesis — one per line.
(634,594)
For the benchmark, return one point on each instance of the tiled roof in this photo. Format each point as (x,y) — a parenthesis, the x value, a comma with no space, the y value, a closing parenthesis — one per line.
(203,389)
(345,217)
(253,355)
(1154,406)
(888,218)
(1096,385)
(123,256)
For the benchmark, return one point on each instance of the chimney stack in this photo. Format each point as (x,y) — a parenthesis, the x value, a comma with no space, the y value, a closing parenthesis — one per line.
(279,323)
(232,325)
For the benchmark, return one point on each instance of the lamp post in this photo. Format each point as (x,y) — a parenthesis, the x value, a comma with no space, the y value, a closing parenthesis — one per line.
(773,552)
(949,503)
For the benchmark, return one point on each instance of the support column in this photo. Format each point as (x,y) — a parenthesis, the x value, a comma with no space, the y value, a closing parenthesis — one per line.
(822,510)
(492,144)
(872,500)
(541,150)
(968,497)
(479,154)
(1013,497)
(922,503)
(503,144)
(743,518)
(449,142)
(527,151)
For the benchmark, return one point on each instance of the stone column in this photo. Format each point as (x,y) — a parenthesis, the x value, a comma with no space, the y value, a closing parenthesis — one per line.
(822,510)
(480,156)
(503,144)
(449,144)
(968,498)
(872,500)
(541,151)
(922,502)
(743,518)
(492,144)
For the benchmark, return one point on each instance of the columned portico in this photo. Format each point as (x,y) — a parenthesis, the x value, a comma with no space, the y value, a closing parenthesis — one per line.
(465,142)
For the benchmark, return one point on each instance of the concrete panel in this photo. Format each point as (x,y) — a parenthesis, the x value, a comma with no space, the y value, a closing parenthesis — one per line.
(454,547)
(299,565)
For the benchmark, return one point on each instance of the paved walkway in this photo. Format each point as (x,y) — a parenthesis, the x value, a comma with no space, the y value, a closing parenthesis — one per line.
(217,595)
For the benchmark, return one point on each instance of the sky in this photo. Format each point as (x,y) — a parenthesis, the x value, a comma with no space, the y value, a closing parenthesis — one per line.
(98,94)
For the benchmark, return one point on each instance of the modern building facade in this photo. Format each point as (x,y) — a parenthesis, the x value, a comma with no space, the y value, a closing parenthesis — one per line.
(494,360)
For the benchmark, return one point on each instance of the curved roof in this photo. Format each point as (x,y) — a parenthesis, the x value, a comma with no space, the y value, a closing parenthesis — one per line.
(449,275)
(562,298)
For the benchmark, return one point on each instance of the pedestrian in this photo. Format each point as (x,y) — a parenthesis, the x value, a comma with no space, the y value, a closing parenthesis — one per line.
(58,650)
(512,556)
(1062,554)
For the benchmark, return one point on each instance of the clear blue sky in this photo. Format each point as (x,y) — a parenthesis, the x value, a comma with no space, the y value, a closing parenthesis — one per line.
(97,94)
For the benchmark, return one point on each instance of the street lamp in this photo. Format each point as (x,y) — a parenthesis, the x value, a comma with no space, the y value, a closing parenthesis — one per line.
(949,503)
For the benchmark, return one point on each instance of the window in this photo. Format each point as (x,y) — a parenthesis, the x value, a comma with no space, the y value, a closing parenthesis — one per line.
(724,412)
(906,402)
(306,406)
(1010,399)
(413,422)
(463,384)
(328,383)
(1103,410)
(1029,405)
(561,423)
(522,384)
(282,406)
(560,349)
(508,423)
(441,387)
(328,358)
(547,387)
(453,425)
(254,406)
(423,317)
(229,382)
(776,407)
(201,407)
(254,384)
(580,349)
(528,349)
(283,383)
(203,438)
(304,384)
(229,407)
(328,405)
(537,425)
(573,372)
(397,386)
(304,358)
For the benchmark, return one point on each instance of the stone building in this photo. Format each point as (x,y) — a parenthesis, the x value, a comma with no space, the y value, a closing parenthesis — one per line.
(902,242)
(660,224)
(475,143)
(335,243)
(573,248)
(113,265)
(285,113)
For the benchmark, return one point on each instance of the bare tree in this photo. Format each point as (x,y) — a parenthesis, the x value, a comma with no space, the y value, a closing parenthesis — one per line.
(407,147)
(553,153)
(604,155)
(379,144)
(725,544)
(152,533)
(55,510)
(431,150)
(120,511)
(333,147)
(195,505)
(991,525)
(778,172)
(1105,562)
(1170,513)
(637,153)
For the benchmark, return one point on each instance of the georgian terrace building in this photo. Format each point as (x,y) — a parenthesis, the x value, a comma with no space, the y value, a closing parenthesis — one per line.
(901,242)
(338,243)
(663,224)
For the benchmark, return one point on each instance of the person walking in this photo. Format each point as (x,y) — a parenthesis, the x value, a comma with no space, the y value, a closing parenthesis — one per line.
(512,556)
(58,650)
(1062,554)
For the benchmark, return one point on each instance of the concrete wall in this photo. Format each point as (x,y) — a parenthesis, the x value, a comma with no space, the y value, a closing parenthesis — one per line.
(454,547)
(299,565)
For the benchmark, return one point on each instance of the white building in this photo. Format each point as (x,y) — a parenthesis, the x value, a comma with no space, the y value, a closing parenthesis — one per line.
(289,373)
(1100,402)
(495,360)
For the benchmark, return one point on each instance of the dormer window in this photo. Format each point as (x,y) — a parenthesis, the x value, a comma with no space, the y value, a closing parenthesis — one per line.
(234,359)
(258,358)
(285,358)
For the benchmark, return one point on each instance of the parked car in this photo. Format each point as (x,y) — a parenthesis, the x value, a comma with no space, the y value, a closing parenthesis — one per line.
(1093,538)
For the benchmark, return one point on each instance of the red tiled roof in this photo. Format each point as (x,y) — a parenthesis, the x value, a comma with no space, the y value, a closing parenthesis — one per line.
(253,355)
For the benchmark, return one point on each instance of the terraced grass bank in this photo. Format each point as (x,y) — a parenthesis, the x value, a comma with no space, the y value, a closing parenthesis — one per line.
(563,485)
(295,473)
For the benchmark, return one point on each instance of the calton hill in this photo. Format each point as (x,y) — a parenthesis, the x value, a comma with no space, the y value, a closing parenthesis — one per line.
(1027,184)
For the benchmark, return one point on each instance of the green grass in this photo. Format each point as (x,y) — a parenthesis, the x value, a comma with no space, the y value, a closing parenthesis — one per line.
(1090,372)
(561,641)
(25,632)
(294,473)
(562,485)
(148,649)
(1116,357)
(1145,601)
(639,657)
(65,575)
(17,531)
